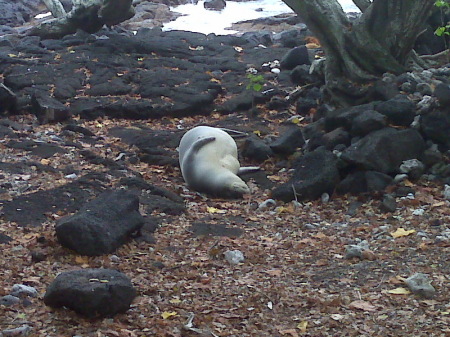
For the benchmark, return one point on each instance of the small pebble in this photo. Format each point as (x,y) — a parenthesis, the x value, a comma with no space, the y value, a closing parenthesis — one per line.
(21,289)
(426,75)
(266,204)
(356,250)
(420,285)
(419,211)
(9,300)
(234,256)
(400,177)
(275,71)
(389,204)
(407,87)
(56,138)
(447,192)
(20,331)
(425,104)
(38,255)
(413,167)
(444,237)
(416,123)
(410,196)
(424,88)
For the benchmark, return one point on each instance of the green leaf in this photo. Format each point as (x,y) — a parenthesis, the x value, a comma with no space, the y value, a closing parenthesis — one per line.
(442,3)
(259,78)
(440,31)
(257,87)
(256,82)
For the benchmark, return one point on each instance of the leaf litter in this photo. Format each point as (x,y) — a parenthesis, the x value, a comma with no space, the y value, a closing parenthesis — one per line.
(293,282)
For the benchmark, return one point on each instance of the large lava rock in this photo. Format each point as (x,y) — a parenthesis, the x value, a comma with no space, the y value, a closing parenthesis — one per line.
(289,141)
(399,110)
(15,13)
(295,57)
(48,109)
(364,181)
(344,117)
(436,126)
(366,122)
(384,150)
(102,225)
(8,100)
(256,149)
(216,5)
(442,93)
(91,292)
(315,173)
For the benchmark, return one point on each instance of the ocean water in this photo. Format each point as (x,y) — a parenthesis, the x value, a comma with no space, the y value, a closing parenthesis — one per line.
(197,19)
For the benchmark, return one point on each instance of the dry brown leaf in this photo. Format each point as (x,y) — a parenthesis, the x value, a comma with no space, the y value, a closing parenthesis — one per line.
(438,204)
(402,232)
(168,314)
(291,332)
(367,254)
(312,46)
(363,305)
(274,272)
(274,178)
(214,210)
(320,235)
(80,259)
(337,317)
(302,326)
(408,183)
(399,291)
(397,280)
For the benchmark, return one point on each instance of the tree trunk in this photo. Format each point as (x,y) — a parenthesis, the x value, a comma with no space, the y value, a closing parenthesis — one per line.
(358,52)
(56,8)
(87,15)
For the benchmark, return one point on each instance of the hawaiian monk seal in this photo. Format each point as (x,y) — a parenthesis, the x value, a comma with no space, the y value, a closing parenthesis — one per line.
(209,163)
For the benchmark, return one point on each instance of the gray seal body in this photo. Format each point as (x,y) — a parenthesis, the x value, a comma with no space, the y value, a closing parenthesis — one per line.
(209,162)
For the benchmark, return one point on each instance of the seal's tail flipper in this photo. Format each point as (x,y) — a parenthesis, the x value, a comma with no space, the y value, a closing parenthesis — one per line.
(235,133)
(202,142)
(248,169)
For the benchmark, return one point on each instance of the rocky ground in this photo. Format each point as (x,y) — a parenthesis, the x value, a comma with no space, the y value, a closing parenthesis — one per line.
(90,114)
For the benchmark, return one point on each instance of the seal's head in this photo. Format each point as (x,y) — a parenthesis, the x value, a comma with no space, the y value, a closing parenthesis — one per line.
(231,187)
(239,187)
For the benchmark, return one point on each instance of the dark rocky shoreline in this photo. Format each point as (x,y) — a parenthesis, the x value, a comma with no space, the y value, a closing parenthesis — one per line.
(154,74)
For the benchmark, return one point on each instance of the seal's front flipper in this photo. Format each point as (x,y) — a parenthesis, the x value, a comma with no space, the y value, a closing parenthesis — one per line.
(201,142)
(248,169)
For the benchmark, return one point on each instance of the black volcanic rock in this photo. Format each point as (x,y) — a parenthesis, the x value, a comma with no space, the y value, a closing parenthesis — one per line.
(384,150)
(102,225)
(91,292)
(315,173)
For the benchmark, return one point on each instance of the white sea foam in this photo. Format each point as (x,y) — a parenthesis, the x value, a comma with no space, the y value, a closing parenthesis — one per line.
(197,19)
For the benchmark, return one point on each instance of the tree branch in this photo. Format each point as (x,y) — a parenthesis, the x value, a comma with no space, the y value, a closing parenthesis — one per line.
(362,4)
(56,8)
